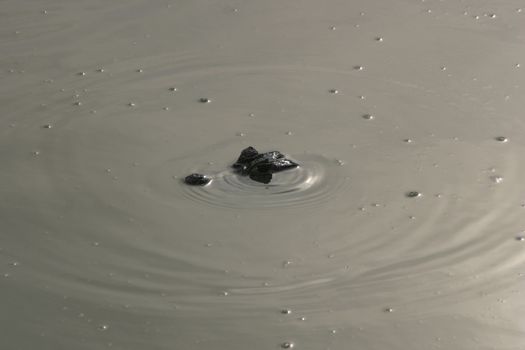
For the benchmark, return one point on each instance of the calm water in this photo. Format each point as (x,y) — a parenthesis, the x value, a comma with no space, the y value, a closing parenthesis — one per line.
(102,245)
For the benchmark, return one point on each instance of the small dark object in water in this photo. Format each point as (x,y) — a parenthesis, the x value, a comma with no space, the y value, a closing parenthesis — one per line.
(260,166)
(413,194)
(197,180)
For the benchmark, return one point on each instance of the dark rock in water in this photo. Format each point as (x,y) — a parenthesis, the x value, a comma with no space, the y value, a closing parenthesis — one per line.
(197,180)
(260,166)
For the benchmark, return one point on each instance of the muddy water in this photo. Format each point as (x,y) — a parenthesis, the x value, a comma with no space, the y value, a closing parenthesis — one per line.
(102,245)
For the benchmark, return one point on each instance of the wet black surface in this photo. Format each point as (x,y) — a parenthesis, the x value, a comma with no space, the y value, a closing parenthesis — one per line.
(260,166)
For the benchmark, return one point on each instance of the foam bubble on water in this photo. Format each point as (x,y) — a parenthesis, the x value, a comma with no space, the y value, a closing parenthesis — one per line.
(103,327)
(501,139)
(204,100)
(287,345)
(497,179)
(333,91)
(368,116)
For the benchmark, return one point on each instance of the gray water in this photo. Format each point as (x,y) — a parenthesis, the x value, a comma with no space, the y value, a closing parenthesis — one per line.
(103,246)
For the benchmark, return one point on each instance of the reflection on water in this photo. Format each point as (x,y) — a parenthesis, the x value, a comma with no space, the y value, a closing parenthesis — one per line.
(401,229)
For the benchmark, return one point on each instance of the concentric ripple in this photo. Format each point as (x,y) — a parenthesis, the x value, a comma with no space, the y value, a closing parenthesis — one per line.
(316,180)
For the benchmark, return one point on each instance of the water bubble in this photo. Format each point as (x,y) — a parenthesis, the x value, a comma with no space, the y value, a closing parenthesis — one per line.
(496,179)
(14,263)
(82,74)
(361,97)
(388,309)
(359,67)
(520,238)
(77,103)
(96,244)
(289,133)
(172,89)
(340,162)
(368,116)
(517,65)
(140,70)
(333,331)
(501,139)
(166,108)
(286,311)
(519,10)
(408,140)
(241,134)
(100,70)
(333,91)
(302,318)
(492,15)
(333,28)
(287,345)
(103,327)
(204,100)
(252,114)
(131,104)
(443,68)
(36,153)
(225,293)
(6,275)
(413,194)
(379,38)
(47,126)
(476,17)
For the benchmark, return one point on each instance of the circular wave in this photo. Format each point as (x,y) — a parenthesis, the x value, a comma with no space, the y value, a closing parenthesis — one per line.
(316,180)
